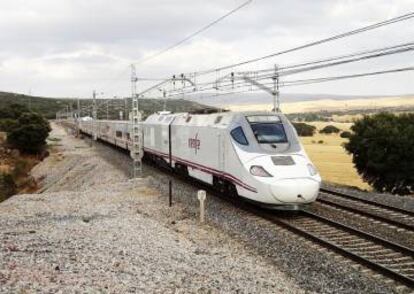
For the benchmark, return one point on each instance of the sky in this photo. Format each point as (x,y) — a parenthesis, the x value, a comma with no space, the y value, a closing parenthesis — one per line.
(68,48)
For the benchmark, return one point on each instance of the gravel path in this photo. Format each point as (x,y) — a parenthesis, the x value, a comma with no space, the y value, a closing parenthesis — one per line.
(94,230)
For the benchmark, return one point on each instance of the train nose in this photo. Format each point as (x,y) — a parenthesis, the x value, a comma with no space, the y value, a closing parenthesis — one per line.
(295,190)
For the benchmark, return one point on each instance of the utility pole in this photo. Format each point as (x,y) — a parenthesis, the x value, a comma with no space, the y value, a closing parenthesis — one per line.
(126,107)
(164,94)
(107,110)
(78,118)
(137,148)
(94,117)
(70,110)
(79,109)
(276,101)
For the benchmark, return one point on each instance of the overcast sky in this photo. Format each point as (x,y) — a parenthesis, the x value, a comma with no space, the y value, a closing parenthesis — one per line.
(68,48)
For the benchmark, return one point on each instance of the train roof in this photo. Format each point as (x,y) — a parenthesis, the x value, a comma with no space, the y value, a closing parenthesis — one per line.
(220,119)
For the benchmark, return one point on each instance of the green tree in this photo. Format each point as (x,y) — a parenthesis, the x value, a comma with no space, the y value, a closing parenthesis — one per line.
(30,134)
(345,134)
(304,130)
(329,130)
(7,125)
(13,111)
(382,149)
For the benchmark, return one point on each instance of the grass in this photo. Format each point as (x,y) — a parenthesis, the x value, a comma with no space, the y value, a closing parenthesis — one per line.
(331,159)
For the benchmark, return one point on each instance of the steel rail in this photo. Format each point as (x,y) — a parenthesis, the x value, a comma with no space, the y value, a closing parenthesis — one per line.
(366,213)
(352,197)
(386,271)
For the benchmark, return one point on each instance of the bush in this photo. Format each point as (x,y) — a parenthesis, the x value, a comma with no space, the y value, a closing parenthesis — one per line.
(7,186)
(382,149)
(329,130)
(30,134)
(7,125)
(346,134)
(304,130)
(13,111)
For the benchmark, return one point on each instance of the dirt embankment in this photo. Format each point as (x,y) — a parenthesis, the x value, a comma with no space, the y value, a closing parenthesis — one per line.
(15,170)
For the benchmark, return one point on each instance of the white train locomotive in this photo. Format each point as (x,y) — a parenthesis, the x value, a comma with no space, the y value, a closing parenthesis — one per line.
(256,155)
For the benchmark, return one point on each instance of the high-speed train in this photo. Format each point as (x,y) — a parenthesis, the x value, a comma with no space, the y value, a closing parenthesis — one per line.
(254,155)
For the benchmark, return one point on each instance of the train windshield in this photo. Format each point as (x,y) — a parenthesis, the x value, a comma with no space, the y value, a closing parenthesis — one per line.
(268,129)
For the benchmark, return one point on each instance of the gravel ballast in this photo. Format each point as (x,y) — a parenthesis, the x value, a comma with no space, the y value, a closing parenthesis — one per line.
(92,229)
(313,268)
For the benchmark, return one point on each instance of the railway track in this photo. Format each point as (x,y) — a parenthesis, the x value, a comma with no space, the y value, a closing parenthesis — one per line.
(382,256)
(398,217)
(388,258)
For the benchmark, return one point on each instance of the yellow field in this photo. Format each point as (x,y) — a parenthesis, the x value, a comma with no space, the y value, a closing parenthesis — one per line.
(331,159)
(328,104)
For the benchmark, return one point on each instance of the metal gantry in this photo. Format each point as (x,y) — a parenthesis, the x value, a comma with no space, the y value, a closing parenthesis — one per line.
(274,92)
(137,150)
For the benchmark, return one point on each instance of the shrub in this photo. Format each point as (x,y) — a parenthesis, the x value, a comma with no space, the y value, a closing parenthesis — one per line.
(345,134)
(13,111)
(330,129)
(31,133)
(382,150)
(21,168)
(304,130)
(320,142)
(7,125)
(7,186)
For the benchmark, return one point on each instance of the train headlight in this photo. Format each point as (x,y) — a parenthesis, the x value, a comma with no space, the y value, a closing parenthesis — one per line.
(312,170)
(259,171)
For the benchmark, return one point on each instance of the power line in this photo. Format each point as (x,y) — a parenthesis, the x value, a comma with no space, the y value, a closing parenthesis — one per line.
(332,62)
(325,40)
(335,58)
(335,78)
(241,85)
(206,27)
(320,64)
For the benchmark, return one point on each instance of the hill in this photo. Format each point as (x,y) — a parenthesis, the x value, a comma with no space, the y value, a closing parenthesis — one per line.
(261,98)
(49,106)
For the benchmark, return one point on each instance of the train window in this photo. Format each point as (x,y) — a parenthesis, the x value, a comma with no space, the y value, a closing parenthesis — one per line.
(118,134)
(218,119)
(262,118)
(238,135)
(269,132)
(160,118)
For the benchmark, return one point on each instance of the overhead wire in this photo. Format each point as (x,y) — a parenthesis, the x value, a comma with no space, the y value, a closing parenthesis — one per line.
(318,42)
(298,68)
(204,28)
(308,81)
(376,53)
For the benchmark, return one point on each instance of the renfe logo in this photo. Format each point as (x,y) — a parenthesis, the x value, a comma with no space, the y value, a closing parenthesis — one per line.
(194,143)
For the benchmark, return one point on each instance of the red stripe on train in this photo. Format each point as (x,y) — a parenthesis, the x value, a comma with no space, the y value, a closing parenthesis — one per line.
(204,169)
